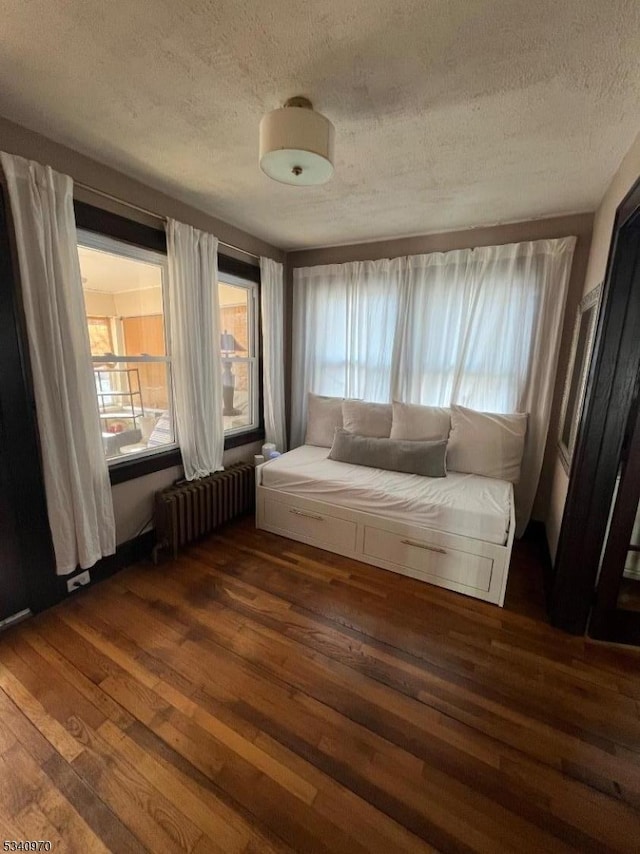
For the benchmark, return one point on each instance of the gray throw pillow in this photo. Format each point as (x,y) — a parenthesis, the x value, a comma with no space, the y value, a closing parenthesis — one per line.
(424,458)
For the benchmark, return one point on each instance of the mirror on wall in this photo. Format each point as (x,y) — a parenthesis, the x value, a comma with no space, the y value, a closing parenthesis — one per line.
(581,346)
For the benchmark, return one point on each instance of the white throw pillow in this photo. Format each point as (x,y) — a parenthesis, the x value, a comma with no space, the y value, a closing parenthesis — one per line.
(486,443)
(367,419)
(324,414)
(420,423)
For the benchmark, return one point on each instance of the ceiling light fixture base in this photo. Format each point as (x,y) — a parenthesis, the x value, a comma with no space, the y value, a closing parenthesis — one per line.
(296,144)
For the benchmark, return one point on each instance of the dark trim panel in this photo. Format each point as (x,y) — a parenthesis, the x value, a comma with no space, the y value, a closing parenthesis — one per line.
(121,472)
(244,438)
(242,269)
(19,429)
(119,227)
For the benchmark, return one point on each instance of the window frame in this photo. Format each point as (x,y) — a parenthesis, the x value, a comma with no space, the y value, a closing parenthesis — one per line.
(101,221)
(111,245)
(229,266)
(253,360)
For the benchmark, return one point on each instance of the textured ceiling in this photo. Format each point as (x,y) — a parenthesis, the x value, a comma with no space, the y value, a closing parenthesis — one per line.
(448,113)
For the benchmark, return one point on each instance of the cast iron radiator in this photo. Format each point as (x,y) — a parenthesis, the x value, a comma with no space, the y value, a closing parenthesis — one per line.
(189,509)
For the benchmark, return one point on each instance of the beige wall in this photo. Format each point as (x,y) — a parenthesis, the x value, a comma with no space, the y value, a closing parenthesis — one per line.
(123,304)
(18,140)
(133,500)
(579,225)
(622,181)
(99,305)
(136,303)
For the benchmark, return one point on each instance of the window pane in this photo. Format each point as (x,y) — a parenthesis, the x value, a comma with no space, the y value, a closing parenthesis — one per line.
(128,293)
(125,317)
(133,417)
(237,346)
(237,394)
(100,335)
(235,339)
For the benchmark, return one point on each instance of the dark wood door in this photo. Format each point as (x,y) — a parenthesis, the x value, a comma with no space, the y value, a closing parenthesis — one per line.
(13,585)
(617,617)
(606,416)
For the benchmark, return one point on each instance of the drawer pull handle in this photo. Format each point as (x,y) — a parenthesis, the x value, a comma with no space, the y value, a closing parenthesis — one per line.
(424,546)
(307,515)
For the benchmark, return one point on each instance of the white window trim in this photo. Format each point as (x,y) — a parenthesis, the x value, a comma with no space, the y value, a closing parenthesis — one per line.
(112,246)
(253,360)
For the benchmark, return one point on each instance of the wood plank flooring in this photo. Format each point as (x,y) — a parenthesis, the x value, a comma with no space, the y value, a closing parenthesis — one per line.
(258,695)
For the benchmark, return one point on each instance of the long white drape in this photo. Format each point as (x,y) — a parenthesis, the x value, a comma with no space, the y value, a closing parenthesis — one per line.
(435,294)
(76,478)
(272,312)
(345,316)
(195,345)
(477,327)
(514,331)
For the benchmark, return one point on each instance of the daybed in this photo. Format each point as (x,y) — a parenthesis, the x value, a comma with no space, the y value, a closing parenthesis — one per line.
(456,532)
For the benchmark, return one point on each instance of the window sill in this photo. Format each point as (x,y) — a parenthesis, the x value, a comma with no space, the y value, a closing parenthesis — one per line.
(121,472)
(247,438)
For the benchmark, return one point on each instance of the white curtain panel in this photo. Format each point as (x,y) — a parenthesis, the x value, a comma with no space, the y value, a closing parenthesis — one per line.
(76,477)
(272,316)
(512,342)
(476,327)
(194,317)
(435,295)
(345,317)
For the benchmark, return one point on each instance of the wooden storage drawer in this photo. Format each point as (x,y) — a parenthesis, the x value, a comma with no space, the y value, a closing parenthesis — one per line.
(325,530)
(429,559)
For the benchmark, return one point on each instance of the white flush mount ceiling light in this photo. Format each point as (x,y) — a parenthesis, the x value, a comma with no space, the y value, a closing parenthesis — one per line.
(296,144)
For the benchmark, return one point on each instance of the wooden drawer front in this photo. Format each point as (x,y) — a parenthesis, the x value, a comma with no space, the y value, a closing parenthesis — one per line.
(332,532)
(429,559)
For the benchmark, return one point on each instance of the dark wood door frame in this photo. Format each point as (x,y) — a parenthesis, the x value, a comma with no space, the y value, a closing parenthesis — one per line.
(609,622)
(608,400)
(14,596)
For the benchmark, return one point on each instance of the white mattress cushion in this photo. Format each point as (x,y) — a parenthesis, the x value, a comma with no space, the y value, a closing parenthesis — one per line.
(324,414)
(420,423)
(486,443)
(367,419)
(462,504)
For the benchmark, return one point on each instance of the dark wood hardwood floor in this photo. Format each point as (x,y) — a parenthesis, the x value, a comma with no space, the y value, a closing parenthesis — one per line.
(258,695)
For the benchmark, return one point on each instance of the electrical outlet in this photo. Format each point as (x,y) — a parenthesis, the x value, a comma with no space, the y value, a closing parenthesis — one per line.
(78,581)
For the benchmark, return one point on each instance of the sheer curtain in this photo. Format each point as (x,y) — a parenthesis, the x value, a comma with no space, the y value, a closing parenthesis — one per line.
(194,316)
(432,318)
(76,478)
(345,317)
(512,344)
(481,328)
(477,327)
(272,311)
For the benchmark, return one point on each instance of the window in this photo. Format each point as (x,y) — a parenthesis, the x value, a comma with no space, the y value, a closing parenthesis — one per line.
(471,327)
(124,300)
(238,300)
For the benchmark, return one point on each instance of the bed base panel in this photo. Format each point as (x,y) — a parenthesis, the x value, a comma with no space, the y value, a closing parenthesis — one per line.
(462,564)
